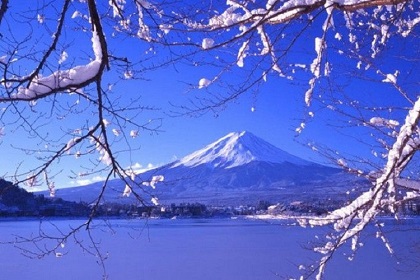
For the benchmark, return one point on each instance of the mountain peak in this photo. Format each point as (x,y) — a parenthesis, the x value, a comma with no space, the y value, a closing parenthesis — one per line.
(236,149)
(236,136)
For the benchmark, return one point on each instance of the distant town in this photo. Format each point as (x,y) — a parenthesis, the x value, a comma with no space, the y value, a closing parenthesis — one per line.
(17,202)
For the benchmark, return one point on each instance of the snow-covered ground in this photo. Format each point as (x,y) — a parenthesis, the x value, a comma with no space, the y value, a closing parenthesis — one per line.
(203,250)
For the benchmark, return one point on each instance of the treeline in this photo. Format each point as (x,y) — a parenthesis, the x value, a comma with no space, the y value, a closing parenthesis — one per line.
(181,210)
(15,201)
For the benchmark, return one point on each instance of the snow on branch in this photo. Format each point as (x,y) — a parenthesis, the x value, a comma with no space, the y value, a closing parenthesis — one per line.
(350,220)
(61,80)
(129,189)
(251,19)
(354,5)
(277,12)
(397,160)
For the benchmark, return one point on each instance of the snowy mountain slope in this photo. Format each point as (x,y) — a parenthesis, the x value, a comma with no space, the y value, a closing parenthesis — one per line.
(238,168)
(236,149)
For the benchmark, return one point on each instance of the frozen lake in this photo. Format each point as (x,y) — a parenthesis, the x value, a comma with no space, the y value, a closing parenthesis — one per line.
(205,249)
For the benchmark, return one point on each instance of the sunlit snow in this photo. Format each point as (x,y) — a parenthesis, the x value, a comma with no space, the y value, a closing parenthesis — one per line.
(236,149)
(203,83)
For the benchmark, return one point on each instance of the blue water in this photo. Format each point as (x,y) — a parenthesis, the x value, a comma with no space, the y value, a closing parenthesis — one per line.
(207,249)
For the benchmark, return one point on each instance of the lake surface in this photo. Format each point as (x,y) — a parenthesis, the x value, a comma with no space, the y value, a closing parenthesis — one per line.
(203,249)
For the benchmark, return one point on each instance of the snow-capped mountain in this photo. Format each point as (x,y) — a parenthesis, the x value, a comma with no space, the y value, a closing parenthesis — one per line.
(236,149)
(238,168)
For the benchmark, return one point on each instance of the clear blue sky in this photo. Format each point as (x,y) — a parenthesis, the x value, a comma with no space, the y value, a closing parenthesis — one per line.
(278,107)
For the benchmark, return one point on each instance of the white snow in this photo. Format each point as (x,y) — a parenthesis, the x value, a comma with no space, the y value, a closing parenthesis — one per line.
(117,6)
(369,204)
(378,121)
(315,66)
(60,79)
(411,24)
(40,18)
(166,28)
(155,179)
(390,78)
(300,128)
(128,74)
(116,132)
(384,33)
(76,14)
(341,162)
(143,31)
(104,155)
(338,36)
(127,191)
(265,41)
(63,78)
(70,144)
(204,82)
(106,122)
(134,133)
(242,53)
(236,149)
(309,92)
(227,18)
(155,200)
(207,43)
(63,57)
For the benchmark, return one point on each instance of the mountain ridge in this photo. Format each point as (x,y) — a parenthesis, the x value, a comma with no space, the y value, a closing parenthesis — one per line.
(238,168)
(238,148)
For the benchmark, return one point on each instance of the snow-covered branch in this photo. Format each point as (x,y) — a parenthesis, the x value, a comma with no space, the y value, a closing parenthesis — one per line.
(350,220)
(263,34)
(312,43)
(39,86)
(61,80)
